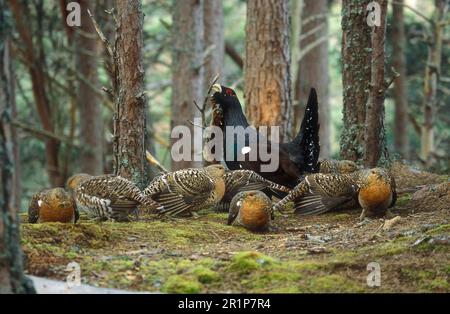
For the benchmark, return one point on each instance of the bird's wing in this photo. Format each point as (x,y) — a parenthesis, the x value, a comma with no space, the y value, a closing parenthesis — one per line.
(33,208)
(180,191)
(325,192)
(248,180)
(116,188)
(111,195)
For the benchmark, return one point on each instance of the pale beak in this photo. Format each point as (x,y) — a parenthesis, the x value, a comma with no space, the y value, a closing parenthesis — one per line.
(216,88)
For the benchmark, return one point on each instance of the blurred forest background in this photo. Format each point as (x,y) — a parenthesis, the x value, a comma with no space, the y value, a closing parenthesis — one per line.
(63,120)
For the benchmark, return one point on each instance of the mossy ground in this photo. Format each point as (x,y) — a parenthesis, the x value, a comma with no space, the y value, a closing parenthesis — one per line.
(325,253)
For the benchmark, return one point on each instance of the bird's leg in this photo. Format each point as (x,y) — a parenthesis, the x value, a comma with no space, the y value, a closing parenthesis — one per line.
(363,215)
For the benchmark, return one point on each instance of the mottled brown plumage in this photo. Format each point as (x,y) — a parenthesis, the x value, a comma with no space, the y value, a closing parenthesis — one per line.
(373,189)
(250,209)
(337,166)
(245,180)
(187,190)
(52,205)
(107,196)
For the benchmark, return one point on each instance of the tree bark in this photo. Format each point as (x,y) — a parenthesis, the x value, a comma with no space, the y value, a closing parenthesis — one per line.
(12,279)
(400,89)
(131,103)
(375,138)
(213,37)
(431,81)
(187,69)
(17,182)
(91,126)
(33,62)
(313,70)
(267,65)
(356,59)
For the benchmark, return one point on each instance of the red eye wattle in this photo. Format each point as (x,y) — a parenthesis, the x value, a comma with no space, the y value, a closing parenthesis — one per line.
(229,92)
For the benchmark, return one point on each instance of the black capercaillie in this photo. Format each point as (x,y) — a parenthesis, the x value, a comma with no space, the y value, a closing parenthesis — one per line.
(296,157)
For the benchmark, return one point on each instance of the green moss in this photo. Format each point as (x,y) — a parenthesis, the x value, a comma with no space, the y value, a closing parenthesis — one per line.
(403,199)
(246,262)
(331,283)
(439,284)
(167,255)
(439,230)
(205,275)
(71,255)
(181,284)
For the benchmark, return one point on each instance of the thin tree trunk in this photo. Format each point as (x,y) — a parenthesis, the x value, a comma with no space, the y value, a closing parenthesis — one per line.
(17,182)
(375,136)
(33,62)
(432,70)
(187,69)
(296,30)
(356,59)
(131,103)
(12,279)
(399,90)
(214,37)
(267,65)
(91,126)
(313,70)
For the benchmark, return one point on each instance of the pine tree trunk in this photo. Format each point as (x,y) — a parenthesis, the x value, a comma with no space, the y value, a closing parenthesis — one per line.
(432,70)
(17,182)
(12,279)
(267,65)
(187,69)
(375,142)
(131,107)
(91,126)
(38,79)
(214,37)
(399,90)
(356,59)
(313,70)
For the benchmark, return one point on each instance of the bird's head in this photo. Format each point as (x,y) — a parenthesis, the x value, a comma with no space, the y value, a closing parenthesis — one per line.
(216,170)
(223,98)
(74,181)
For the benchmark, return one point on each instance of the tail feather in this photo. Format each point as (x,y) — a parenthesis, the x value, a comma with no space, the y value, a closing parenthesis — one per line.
(307,138)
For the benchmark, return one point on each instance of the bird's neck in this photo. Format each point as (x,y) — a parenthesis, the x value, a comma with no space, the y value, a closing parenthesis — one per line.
(234,116)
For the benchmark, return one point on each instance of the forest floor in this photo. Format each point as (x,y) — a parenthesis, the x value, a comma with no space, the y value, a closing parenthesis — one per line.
(325,253)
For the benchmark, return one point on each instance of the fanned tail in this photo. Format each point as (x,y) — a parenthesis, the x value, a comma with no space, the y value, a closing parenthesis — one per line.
(308,136)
